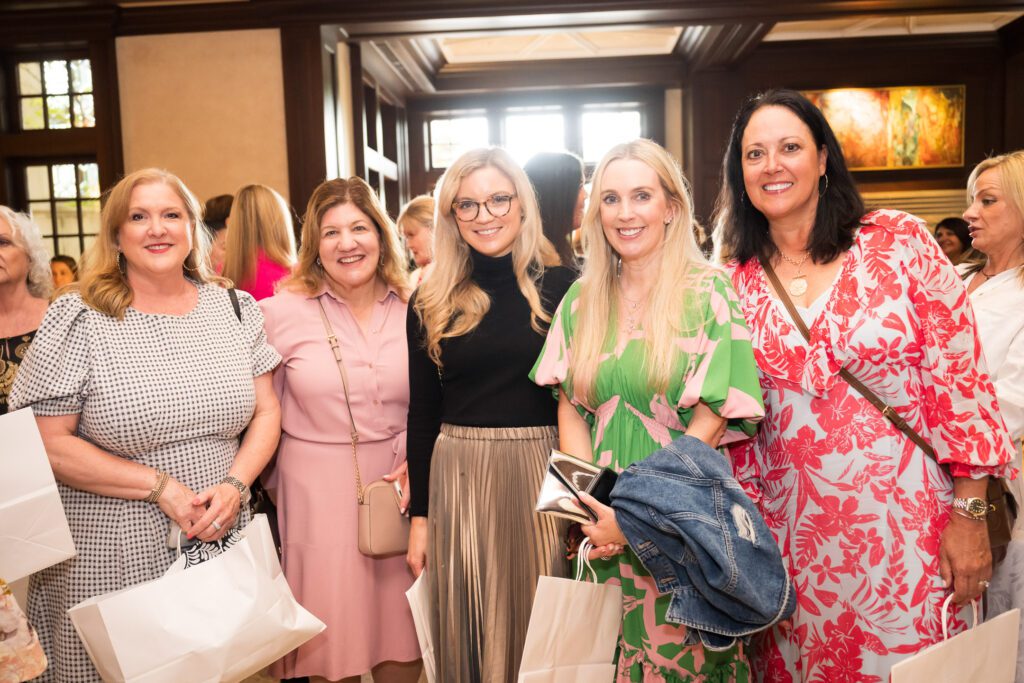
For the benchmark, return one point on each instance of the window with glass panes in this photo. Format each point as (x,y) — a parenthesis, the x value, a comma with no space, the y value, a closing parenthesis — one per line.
(64,201)
(449,137)
(55,94)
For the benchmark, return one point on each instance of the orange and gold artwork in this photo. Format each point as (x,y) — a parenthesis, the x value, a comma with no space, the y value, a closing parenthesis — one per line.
(890,128)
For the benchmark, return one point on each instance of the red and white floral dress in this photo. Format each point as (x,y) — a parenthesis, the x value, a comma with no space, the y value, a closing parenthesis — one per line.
(856,507)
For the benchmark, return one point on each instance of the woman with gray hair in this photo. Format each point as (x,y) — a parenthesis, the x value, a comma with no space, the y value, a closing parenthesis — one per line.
(24,292)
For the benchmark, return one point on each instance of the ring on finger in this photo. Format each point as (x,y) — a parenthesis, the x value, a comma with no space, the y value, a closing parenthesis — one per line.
(216,525)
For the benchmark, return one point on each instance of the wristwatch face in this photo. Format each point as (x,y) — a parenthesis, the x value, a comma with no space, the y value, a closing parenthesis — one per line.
(976,507)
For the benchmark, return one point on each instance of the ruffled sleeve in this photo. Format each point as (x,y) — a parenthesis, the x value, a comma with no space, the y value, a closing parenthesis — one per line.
(264,357)
(724,375)
(53,378)
(959,399)
(552,366)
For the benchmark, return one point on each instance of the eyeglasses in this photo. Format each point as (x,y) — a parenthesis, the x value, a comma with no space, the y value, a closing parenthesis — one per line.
(498,205)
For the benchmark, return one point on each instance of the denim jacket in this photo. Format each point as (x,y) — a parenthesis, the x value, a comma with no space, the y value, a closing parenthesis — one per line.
(703,540)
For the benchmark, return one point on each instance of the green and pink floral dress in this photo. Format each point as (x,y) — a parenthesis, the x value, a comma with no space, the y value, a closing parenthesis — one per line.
(628,423)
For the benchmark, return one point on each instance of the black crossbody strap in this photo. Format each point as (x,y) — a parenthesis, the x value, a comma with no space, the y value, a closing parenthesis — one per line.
(234,303)
(887,411)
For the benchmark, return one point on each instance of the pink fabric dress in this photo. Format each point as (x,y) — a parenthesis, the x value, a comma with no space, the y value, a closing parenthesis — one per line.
(362,600)
(857,508)
(268,272)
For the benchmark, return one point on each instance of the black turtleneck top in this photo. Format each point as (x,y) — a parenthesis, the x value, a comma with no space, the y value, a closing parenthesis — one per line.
(485,381)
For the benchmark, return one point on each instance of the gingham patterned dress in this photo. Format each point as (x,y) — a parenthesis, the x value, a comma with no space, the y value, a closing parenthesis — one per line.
(171,392)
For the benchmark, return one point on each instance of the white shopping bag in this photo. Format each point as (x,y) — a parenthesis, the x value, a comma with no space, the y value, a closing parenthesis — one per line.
(573,631)
(985,653)
(34,532)
(222,620)
(419,602)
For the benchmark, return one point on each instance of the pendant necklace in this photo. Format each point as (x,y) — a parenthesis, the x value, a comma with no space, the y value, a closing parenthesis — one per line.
(797,285)
(632,313)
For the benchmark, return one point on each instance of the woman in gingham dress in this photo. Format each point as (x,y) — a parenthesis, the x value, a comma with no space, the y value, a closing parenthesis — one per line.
(141,382)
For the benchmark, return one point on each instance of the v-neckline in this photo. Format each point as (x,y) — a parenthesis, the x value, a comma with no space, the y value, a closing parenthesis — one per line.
(829,292)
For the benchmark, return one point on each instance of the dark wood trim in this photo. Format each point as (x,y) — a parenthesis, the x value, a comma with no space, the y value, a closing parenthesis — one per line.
(308,106)
(714,46)
(1012,36)
(662,70)
(109,147)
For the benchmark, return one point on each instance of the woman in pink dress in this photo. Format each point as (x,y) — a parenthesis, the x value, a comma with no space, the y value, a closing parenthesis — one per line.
(874,531)
(260,247)
(351,264)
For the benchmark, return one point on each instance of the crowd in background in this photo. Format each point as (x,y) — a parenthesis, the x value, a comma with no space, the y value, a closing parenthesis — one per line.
(191,355)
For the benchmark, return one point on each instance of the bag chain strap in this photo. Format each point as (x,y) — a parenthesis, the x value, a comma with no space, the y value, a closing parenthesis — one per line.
(333,341)
(887,411)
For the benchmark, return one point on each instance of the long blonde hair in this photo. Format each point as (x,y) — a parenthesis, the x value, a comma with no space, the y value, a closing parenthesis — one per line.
(259,219)
(1011,169)
(309,276)
(673,307)
(449,303)
(102,283)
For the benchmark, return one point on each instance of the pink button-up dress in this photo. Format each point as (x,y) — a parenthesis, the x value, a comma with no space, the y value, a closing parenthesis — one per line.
(362,600)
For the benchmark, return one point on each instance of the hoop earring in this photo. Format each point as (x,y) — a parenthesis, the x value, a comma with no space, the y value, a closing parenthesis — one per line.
(822,193)
(743,196)
(186,266)
(318,262)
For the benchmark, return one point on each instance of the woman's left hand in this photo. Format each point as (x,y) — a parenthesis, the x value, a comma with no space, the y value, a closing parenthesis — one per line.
(401,475)
(965,558)
(222,503)
(605,532)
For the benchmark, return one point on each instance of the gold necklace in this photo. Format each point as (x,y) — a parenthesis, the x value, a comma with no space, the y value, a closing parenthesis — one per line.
(798,284)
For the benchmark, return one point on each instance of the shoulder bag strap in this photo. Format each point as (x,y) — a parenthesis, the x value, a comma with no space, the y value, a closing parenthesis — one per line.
(233,295)
(887,411)
(333,341)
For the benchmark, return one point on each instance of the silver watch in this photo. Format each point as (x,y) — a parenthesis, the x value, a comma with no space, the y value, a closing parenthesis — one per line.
(243,490)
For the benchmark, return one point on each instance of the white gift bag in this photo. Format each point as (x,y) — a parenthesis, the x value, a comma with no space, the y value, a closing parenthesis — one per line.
(34,532)
(419,602)
(574,628)
(222,620)
(984,653)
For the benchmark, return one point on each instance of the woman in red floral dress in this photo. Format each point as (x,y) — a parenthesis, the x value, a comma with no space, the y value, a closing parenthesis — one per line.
(864,518)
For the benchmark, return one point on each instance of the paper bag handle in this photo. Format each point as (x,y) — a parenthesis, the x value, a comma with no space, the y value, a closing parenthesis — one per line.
(945,615)
(583,557)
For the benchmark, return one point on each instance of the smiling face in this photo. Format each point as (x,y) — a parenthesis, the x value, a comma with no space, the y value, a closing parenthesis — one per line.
(13,258)
(349,246)
(487,234)
(634,209)
(781,166)
(996,226)
(950,244)
(419,239)
(156,236)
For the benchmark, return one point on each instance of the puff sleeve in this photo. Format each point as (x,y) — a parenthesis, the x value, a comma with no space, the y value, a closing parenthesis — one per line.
(264,357)
(53,378)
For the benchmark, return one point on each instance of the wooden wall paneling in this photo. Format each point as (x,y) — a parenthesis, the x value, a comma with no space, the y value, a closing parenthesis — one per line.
(109,146)
(973,60)
(664,70)
(1012,36)
(309,106)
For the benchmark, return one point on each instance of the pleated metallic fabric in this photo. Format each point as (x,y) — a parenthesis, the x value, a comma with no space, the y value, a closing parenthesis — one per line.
(487,547)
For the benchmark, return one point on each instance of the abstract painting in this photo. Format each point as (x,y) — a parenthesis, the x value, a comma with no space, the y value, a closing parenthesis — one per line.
(896,128)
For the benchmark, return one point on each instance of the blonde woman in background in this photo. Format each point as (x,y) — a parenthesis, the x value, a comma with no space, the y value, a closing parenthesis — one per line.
(479,430)
(260,247)
(995,219)
(141,378)
(352,265)
(416,223)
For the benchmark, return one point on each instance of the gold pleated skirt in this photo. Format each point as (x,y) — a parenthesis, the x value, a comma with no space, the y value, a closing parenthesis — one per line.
(487,547)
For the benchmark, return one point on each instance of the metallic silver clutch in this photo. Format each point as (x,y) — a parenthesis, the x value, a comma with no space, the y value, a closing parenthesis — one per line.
(565,478)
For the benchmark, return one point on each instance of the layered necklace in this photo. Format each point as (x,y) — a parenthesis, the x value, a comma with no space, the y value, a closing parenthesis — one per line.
(798,284)
(633,313)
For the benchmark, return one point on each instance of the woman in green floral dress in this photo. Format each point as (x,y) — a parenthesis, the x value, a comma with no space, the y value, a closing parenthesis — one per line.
(649,344)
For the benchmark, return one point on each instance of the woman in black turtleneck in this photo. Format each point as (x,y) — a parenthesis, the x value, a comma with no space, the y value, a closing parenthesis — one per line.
(479,430)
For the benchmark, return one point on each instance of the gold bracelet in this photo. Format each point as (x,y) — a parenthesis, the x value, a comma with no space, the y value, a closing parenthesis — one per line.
(158,487)
(967,516)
